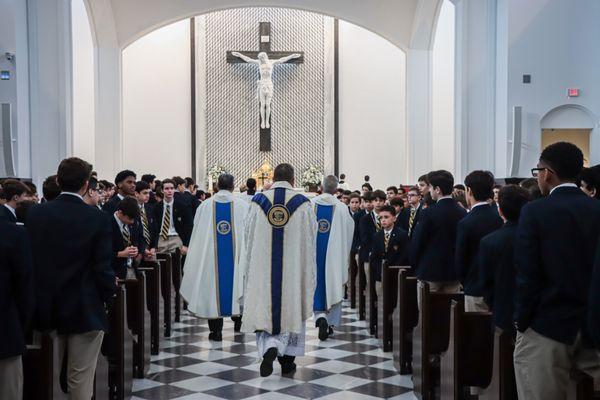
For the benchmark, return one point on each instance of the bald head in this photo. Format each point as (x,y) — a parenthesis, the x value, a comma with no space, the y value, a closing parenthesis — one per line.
(330,184)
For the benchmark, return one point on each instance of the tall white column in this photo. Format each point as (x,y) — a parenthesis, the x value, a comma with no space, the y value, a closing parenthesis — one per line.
(418,112)
(49,31)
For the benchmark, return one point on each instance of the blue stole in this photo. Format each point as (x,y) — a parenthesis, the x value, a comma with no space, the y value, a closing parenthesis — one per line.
(324,219)
(224,253)
(278,214)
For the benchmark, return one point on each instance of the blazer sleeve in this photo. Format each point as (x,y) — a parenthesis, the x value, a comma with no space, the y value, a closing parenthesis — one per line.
(487,269)
(23,277)
(363,230)
(101,259)
(461,251)
(419,235)
(529,269)
(594,301)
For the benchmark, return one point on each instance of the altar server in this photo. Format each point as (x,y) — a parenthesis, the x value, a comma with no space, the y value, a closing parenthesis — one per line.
(213,281)
(334,242)
(279,260)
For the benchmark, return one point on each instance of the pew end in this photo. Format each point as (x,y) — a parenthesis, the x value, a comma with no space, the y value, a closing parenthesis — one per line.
(405,317)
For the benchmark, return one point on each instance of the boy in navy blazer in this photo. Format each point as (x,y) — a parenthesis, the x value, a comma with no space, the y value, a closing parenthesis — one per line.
(497,258)
(555,249)
(480,221)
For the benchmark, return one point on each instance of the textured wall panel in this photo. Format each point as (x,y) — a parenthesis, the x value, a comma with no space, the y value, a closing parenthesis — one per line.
(231,105)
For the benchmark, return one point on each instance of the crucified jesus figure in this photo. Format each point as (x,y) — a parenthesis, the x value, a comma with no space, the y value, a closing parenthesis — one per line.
(265,83)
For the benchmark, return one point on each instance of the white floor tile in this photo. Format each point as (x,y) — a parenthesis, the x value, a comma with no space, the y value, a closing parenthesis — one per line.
(335,366)
(206,368)
(273,382)
(202,383)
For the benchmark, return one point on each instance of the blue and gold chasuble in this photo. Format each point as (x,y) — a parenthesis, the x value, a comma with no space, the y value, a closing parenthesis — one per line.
(324,220)
(224,254)
(278,214)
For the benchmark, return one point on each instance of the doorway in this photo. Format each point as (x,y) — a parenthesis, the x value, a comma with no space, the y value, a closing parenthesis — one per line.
(579,137)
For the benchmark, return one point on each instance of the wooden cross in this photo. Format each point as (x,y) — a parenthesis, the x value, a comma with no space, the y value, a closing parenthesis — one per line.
(265,46)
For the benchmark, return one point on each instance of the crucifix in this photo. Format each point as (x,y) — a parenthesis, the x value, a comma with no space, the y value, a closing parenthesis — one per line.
(266,60)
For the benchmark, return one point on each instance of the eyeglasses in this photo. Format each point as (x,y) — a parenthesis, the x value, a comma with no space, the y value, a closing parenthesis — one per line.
(536,171)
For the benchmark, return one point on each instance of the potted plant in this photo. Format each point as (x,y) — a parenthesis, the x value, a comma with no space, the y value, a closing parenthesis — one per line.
(312,178)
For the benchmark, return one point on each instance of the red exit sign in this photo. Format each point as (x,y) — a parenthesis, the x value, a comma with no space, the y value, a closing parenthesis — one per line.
(573,92)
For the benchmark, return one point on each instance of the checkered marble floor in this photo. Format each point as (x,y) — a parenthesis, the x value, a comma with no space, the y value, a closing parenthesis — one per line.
(348,366)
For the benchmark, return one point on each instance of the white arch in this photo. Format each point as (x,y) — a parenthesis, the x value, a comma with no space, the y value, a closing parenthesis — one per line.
(569,116)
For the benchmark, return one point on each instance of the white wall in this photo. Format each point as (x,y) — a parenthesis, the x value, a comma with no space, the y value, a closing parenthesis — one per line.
(83,83)
(443,90)
(156,102)
(555,41)
(372,96)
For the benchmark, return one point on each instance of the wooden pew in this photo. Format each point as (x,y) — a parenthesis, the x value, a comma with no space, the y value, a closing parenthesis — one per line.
(166,291)
(406,317)
(371,300)
(153,288)
(119,346)
(361,289)
(177,274)
(138,320)
(469,359)
(503,385)
(353,279)
(430,339)
(581,386)
(387,304)
(41,369)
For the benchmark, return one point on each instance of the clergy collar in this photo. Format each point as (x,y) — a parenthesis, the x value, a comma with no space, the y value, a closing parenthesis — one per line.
(222,194)
(282,184)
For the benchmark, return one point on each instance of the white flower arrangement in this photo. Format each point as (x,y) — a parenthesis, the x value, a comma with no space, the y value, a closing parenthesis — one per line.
(312,176)
(215,171)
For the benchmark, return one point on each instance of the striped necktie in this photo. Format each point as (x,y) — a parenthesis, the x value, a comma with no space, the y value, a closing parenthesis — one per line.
(411,219)
(377,222)
(166,224)
(386,240)
(145,225)
(126,236)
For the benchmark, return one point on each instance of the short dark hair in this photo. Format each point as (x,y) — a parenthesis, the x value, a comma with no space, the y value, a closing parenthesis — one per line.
(283,172)
(379,194)
(178,181)
(12,188)
(148,178)
(225,182)
(442,179)
(393,189)
(129,207)
(396,202)
(414,189)
(428,200)
(354,196)
(481,184)
(251,183)
(165,181)
(532,187)
(141,185)
(591,177)
(565,159)
(368,186)
(50,188)
(423,178)
(189,182)
(93,185)
(368,196)
(72,174)
(511,200)
(460,186)
(121,176)
(31,188)
(347,193)
(389,209)
(22,210)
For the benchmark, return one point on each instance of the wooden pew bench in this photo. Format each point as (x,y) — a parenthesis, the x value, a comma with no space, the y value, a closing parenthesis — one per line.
(469,359)
(353,280)
(361,289)
(581,386)
(387,304)
(153,300)
(371,300)
(41,369)
(138,320)
(177,274)
(430,339)
(406,317)
(503,385)
(166,291)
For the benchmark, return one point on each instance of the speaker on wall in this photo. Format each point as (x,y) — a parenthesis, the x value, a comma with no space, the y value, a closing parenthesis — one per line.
(516,140)
(7,167)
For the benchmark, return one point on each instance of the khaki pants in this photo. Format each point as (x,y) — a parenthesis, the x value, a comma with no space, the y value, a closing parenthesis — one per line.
(169,245)
(475,304)
(11,378)
(542,365)
(440,287)
(82,356)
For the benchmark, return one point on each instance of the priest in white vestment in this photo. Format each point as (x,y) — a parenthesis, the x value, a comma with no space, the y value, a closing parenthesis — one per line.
(334,242)
(213,281)
(279,260)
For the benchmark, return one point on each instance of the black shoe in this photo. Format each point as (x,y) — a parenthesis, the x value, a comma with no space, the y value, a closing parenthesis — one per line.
(287,364)
(266,366)
(215,336)
(323,328)
(330,330)
(237,324)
